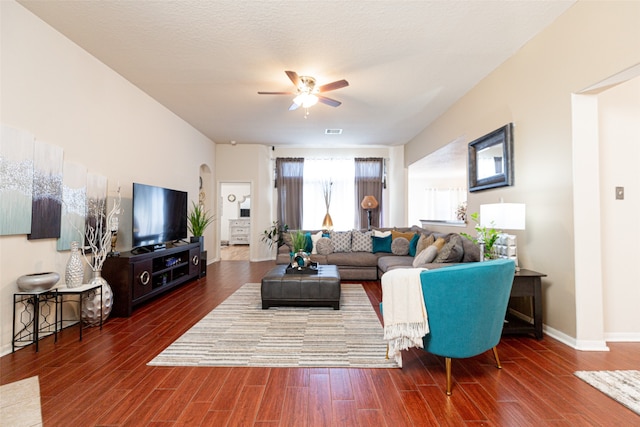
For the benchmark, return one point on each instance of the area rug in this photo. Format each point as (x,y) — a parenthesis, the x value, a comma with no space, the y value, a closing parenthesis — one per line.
(622,386)
(20,403)
(240,333)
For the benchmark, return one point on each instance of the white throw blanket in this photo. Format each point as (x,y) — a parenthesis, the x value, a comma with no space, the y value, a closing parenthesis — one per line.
(403,310)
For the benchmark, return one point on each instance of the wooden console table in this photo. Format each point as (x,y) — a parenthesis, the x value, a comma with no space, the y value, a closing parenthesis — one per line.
(526,284)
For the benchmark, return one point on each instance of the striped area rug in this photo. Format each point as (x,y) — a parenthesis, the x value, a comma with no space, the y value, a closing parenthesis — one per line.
(239,333)
(622,386)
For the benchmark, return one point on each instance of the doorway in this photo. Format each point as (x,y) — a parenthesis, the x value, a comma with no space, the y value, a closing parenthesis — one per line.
(235,221)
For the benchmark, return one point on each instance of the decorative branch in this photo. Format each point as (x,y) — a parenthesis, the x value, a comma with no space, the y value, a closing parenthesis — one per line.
(326,190)
(99,237)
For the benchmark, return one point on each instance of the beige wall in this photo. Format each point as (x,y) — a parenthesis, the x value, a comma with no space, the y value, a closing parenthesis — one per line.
(249,163)
(590,42)
(64,96)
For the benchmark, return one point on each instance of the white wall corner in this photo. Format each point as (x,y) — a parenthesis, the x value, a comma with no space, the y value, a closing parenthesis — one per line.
(587,221)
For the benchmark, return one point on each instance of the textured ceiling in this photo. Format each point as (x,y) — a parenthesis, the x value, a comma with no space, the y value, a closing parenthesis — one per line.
(406,61)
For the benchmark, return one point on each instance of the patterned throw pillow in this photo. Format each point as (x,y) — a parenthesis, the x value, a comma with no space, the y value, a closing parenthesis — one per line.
(452,251)
(341,241)
(361,242)
(400,246)
(324,246)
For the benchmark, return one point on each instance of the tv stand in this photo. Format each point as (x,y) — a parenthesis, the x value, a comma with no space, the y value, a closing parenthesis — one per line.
(137,277)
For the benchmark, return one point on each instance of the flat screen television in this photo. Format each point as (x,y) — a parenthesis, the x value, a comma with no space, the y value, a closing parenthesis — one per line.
(159,215)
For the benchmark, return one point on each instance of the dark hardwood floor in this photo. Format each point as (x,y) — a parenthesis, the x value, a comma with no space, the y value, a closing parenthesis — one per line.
(104,380)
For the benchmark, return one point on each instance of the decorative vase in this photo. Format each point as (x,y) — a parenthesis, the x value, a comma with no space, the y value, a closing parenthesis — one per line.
(301,259)
(327,222)
(91,303)
(37,282)
(74,273)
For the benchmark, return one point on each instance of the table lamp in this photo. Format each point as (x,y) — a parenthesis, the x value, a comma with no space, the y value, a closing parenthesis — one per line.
(504,216)
(369,203)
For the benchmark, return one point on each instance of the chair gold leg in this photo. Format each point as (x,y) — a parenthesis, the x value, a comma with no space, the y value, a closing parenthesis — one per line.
(387,355)
(495,354)
(447,364)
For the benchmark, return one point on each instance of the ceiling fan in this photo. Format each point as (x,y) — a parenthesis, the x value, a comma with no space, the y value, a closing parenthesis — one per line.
(307,94)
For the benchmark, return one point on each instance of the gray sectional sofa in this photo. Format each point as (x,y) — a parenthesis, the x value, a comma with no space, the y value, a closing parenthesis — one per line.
(357,260)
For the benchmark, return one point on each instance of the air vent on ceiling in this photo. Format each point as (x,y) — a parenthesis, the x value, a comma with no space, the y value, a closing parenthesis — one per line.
(333,131)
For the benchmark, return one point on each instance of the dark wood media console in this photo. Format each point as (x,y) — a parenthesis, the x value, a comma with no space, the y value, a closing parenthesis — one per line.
(136,278)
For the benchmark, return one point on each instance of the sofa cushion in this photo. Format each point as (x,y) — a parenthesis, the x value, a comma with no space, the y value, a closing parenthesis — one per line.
(452,251)
(426,256)
(353,259)
(390,262)
(424,242)
(381,233)
(439,243)
(406,234)
(361,241)
(400,246)
(413,244)
(471,251)
(324,246)
(314,241)
(341,241)
(381,244)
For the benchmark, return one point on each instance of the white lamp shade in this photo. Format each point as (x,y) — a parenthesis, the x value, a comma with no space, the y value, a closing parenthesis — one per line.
(504,216)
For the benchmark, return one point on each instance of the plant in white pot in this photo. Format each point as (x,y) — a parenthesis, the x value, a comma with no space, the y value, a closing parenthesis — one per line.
(197,221)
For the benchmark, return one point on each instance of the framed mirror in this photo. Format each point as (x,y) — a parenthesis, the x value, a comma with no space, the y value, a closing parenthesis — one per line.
(244,206)
(491,160)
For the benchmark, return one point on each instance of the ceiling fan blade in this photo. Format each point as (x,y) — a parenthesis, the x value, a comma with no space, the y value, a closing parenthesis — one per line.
(333,86)
(275,93)
(294,106)
(294,77)
(329,101)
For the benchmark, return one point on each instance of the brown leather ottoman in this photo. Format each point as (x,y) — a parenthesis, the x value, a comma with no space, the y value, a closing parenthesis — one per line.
(302,290)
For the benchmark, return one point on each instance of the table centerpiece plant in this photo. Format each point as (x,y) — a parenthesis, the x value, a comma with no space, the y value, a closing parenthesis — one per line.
(486,237)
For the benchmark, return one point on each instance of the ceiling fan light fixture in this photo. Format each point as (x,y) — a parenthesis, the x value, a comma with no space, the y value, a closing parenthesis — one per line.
(306,100)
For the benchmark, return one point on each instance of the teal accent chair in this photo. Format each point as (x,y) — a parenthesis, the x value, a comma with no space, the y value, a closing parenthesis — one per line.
(466,306)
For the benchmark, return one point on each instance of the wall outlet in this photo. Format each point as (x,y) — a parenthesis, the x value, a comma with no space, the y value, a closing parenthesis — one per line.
(619,193)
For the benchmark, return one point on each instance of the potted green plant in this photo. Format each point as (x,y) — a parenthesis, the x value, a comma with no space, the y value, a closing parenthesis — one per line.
(299,241)
(274,234)
(299,257)
(197,221)
(486,237)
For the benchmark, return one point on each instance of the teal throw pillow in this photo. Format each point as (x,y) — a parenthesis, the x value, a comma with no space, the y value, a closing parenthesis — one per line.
(308,243)
(381,244)
(413,244)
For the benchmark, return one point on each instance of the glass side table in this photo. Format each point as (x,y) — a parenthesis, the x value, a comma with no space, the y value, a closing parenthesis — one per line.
(81,291)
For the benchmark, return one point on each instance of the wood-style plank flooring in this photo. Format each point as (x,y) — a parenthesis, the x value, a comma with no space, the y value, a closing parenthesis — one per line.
(104,380)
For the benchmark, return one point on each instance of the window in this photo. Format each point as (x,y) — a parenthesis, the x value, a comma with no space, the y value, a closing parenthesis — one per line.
(340,172)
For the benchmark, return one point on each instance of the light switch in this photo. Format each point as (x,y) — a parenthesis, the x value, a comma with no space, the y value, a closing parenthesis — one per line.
(619,193)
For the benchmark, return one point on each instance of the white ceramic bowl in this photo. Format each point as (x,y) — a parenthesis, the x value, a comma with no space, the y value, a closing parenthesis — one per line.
(37,282)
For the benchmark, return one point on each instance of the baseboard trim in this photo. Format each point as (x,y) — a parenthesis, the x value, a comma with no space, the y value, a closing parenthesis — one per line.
(622,336)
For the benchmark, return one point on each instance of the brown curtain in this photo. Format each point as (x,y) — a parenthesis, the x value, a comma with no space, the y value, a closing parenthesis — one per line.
(289,179)
(368,182)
